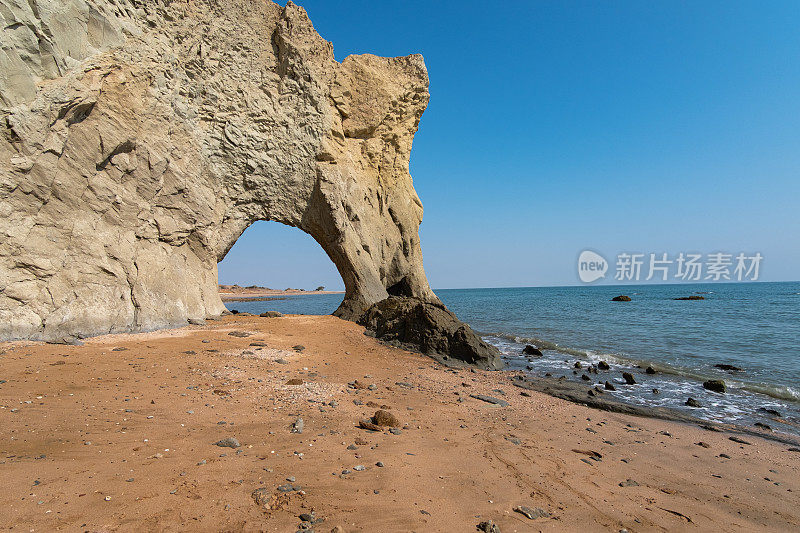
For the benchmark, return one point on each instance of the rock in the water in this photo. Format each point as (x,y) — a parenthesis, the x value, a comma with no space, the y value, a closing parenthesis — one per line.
(693,297)
(602,365)
(609,386)
(532,513)
(628,377)
(716,385)
(650,370)
(385,418)
(728,368)
(430,327)
(691,402)
(531,350)
(228,442)
(621,298)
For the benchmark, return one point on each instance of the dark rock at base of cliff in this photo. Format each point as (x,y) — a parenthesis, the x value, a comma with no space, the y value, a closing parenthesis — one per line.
(621,298)
(716,385)
(430,328)
(531,350)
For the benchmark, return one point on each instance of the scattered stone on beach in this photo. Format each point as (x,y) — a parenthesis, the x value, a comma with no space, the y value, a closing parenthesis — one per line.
(609,386)
(239,334)
(740,441)
(703,444)
(621,298)
(650,370)
(531,513)
(228,442)
(716,385)
(297,426)
(597,456)
(763,426)
(385,418)
(691,402)
(602,365)
(197,321)
(298,348)
(584,377)
(488,527)
(578,364)
(489,399)
(271,314)
(725,456)
(531,350)
(259,344)
(693,297)
(728,368)
(295,381)
(628,377)
(772,412)
(629,483)
(118,349)
(369,425)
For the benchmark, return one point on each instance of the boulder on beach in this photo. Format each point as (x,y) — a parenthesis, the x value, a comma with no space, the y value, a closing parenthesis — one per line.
(531,350)
(621,298)
(716,385)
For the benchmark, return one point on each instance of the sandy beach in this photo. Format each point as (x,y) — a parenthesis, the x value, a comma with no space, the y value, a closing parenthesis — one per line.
(119,434)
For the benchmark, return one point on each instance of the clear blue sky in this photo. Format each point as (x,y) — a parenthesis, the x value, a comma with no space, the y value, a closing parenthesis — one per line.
(559,126)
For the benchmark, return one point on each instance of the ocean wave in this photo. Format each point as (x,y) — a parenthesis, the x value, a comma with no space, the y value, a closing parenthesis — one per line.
(779,392)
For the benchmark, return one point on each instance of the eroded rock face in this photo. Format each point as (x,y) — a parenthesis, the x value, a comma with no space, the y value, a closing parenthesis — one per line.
(140,138)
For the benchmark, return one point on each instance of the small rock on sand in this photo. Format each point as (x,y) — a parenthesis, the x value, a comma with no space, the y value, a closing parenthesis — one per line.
(368,425)
(385,418)
(489,399)
(532,513)
(228,442)
(629,483)
(270,314)
(488,527)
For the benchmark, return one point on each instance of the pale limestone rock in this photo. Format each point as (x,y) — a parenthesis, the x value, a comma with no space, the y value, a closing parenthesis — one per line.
(140,138)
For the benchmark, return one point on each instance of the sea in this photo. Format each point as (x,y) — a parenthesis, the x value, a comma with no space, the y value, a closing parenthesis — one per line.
(754,327)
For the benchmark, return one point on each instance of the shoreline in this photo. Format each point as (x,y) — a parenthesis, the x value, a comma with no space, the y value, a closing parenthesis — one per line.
(119,434)
(263,294)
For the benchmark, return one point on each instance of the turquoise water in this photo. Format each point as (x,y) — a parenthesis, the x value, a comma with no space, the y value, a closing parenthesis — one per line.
(754,326)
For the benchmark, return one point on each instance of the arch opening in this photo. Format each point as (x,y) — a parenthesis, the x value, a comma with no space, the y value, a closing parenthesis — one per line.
(274,266)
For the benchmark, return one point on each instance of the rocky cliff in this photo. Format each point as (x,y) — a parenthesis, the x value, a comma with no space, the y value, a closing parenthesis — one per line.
(140,138)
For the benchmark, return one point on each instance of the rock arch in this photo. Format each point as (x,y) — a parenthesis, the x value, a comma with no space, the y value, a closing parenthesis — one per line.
(142,137)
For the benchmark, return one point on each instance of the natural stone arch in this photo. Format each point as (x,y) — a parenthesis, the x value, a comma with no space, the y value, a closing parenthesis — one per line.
(163,130)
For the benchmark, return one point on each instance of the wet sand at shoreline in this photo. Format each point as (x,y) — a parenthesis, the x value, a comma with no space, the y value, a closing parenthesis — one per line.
(119,434)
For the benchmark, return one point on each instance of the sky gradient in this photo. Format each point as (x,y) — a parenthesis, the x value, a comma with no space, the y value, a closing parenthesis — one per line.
(554,127)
